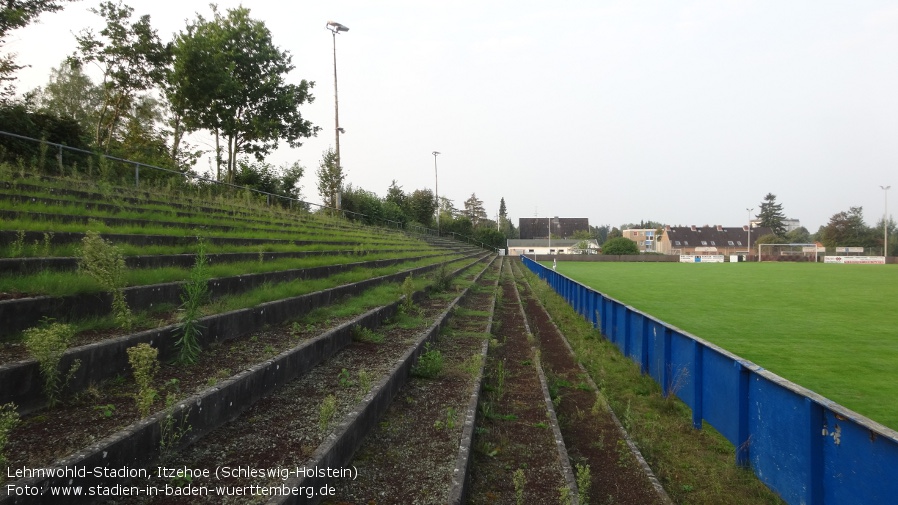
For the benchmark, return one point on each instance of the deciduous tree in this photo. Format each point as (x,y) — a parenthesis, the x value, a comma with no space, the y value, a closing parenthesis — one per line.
(19,14)
(422,207)
(229,77)
(848,229)
(72,94)
(330,179)
(132,59)
(474,209)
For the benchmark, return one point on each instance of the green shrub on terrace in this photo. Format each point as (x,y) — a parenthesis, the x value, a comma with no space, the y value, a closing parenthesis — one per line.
(47,344)
(429,364)
(144,363)
(106,264)
(408,293)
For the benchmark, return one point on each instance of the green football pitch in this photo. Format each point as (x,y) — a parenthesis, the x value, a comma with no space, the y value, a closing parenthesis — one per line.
(830,328)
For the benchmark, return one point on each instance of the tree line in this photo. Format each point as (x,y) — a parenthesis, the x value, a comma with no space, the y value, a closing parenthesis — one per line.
(222,74)
(846,228)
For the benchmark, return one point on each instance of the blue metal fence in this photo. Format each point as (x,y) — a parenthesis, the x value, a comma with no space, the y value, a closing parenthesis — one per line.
(808,449)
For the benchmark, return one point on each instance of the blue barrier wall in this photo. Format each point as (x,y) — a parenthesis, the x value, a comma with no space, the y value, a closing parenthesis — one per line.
(803,446)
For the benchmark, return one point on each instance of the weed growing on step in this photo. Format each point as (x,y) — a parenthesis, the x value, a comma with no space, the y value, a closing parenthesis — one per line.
(9,419)
(104,262)
(429,364)
(442,279)
(171,430)
(364,381)
(623,454)
(105,410)
(584,481)
(408,292)
(18,245)
(326,412)
(364,334)
(472,365)
(519,480)
(47,343)
(45,245)
(196,293)
(344,378)
(451,415)
(564,495)
(144,364)
(501,375)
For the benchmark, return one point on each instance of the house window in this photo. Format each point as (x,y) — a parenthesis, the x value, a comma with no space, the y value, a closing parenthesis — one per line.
(649,234)
(738,242)
(730,242)
(685,242)
(677,242)
(704,242)
(530,250)
(712,243)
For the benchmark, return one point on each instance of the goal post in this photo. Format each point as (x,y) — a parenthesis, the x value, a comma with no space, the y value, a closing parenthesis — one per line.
(788,252)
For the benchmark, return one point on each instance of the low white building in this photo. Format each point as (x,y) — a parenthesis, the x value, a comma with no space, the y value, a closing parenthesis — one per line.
(520,247)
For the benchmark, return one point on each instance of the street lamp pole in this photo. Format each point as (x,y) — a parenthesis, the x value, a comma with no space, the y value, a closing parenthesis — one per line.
(436,187)
(749,233)
(885,222)
(336,28)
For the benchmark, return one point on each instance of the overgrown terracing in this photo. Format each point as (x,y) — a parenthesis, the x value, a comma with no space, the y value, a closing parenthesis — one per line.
(97,398)
(321,344)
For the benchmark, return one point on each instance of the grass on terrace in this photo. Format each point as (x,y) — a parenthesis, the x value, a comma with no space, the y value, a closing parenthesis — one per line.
(829,328)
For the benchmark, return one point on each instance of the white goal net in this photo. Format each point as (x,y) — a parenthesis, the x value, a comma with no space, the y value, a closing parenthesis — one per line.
(788,252)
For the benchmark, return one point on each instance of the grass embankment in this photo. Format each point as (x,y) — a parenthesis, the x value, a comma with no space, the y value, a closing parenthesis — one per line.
(73,282)
(694,466)
(828,328)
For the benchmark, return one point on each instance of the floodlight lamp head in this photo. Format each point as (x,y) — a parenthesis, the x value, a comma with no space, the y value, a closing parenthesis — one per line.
(435,153)
(336,27)
(341,130)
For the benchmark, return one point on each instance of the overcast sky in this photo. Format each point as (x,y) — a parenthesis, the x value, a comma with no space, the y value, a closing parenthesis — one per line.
(682,112)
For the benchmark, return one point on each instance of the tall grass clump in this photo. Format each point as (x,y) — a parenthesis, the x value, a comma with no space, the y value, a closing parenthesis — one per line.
(104,262)
(47,344)
(9,418)
(196,293)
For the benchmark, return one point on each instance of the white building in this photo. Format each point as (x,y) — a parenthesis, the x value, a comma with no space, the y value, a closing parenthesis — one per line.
(519,247)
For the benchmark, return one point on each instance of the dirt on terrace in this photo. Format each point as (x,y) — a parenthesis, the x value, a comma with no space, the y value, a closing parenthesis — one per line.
(513,431)
(590,434)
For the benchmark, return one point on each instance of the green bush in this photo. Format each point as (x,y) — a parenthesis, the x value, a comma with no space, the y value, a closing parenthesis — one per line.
(429,364)
(47,344)
(620,245)
(144,363)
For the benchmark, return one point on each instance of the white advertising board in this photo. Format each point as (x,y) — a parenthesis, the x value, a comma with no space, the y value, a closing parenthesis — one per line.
(856,260)
(703,258)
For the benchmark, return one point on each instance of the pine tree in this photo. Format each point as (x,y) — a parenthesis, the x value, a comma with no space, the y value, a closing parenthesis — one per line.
(771,215)
(474,209)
